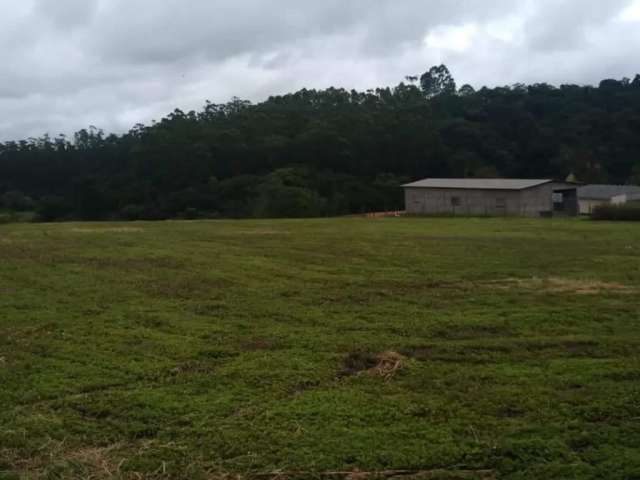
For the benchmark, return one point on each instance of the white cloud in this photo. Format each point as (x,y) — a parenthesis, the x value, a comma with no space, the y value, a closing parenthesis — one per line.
(631,13)
(508,30)
(456,39)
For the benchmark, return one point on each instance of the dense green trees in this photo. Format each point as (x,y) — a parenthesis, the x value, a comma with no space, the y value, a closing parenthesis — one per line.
(16,201)
(329,152)
(438,81)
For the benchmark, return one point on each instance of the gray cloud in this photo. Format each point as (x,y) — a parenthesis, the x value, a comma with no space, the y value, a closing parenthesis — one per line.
(112,63)
(66,14)
(566,24)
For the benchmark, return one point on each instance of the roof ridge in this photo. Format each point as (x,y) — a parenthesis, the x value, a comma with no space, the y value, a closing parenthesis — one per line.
(480,183)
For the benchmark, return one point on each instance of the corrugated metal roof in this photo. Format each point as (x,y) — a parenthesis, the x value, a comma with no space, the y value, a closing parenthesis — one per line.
(479,183)
(606,192)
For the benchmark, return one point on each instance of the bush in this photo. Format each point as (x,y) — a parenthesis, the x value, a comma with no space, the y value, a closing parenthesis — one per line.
(17,201)
(148,212)
(16,217)
(132,212)
(53,208)
(192,214)
(624,213)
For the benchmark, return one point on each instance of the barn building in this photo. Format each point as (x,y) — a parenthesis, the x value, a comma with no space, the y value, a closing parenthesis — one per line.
(490,197)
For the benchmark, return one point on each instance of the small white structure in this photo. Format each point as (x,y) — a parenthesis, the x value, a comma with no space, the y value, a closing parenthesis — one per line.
(591,196)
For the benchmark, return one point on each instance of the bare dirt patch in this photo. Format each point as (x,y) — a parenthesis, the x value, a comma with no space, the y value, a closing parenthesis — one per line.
(358,362)
(563,285)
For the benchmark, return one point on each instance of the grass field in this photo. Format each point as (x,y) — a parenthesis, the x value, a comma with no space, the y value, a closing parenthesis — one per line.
(471,348)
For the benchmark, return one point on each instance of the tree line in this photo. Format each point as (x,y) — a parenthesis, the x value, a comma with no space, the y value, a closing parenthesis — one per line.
(326,152)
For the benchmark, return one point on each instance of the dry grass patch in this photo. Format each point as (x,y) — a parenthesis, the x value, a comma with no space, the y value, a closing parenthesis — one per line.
(108,230)
(97,460)
(389,363)
(86,462)
(192,368)
(563,285)
(384,365)
(264,231)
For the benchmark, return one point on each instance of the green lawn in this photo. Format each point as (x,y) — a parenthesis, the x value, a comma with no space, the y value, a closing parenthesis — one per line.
(199,349)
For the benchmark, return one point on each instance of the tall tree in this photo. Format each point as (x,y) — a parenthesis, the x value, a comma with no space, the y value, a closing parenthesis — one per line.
(437,81)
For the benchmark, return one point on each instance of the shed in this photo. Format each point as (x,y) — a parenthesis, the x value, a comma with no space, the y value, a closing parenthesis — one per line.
(490,197)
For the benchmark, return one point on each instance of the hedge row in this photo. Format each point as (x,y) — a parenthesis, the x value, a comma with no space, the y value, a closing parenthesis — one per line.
(617,212)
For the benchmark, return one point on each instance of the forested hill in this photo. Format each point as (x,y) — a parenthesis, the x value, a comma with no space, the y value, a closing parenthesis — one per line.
(327,152)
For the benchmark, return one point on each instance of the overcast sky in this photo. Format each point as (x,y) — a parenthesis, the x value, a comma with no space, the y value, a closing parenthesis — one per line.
(68,64)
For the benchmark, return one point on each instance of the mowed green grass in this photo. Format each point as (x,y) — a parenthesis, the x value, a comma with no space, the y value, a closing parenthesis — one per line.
(199,349)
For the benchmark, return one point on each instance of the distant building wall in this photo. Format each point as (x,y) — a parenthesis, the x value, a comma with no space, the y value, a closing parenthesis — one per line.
(537,201)
(620,199)
(587,205)
(591,196)
(532,202)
